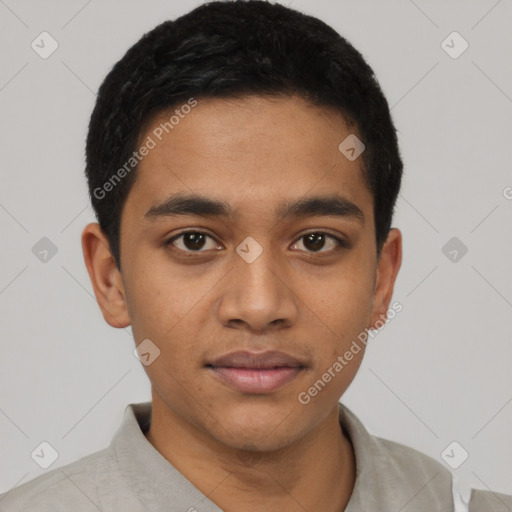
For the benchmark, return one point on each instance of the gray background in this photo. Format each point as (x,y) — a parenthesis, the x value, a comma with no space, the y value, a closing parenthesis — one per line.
(439,372)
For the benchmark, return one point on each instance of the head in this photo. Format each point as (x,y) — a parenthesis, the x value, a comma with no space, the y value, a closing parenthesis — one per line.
(231,216)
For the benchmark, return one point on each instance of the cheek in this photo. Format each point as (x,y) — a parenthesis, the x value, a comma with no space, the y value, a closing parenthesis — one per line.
(343,303)
(343,300)
(169,307)
(158,296)
(164,314)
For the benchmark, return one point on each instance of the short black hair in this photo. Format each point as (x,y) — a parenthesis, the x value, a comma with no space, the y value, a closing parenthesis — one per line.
(230,49)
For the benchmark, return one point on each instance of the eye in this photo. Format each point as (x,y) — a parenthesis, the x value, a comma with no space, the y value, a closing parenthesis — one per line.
(192,241)
(313,242)
(316,240)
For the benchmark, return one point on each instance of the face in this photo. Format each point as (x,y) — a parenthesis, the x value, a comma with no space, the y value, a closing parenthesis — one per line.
(249,295)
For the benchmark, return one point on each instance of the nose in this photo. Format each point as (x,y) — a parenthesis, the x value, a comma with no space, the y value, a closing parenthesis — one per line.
(258,296)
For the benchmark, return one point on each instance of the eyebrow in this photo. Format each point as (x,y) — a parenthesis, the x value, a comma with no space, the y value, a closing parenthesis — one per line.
(181,204)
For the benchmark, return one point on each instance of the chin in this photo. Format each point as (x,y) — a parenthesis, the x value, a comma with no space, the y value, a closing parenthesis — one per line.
(264,427)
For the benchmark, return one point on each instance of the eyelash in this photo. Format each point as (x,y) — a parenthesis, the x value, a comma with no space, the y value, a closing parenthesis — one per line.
(341,244)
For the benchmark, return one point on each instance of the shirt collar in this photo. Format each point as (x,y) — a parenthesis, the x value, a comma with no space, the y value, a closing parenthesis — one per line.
(386,478)
(155,481)
(391,477)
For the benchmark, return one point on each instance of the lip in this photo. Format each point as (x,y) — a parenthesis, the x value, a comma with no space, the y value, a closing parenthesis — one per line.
(256,372)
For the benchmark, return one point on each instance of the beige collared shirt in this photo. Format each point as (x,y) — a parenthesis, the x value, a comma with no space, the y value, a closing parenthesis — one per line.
(130,475)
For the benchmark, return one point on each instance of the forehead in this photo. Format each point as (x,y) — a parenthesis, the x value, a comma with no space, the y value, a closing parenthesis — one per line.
(252,152)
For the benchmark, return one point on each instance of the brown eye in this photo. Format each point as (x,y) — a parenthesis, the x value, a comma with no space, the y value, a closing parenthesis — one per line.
(192,241)
(316,241)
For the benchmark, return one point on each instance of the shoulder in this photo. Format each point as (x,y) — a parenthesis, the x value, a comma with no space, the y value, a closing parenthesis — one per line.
(395,473)
(416,470)
(411,464)
(390,461)
(77,484)
(403,458)
(489,501)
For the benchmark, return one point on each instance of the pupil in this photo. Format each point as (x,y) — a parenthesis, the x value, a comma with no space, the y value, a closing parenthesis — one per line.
(314,241)
(194,240)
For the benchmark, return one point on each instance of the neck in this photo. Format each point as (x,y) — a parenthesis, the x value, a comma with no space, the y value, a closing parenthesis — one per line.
(315,473)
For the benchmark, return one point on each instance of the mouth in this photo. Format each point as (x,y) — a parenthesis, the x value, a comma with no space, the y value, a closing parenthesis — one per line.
(256,372)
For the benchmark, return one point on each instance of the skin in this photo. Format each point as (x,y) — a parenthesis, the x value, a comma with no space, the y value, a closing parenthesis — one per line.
(252,452)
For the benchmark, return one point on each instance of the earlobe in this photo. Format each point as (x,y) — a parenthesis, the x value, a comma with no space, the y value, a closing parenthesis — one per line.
(105,277)
(387,270)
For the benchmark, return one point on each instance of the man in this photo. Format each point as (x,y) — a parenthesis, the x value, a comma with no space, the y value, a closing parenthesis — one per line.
(244,167)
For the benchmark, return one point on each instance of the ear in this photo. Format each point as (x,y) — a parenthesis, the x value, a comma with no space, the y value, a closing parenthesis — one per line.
(388,266)
(105,276)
